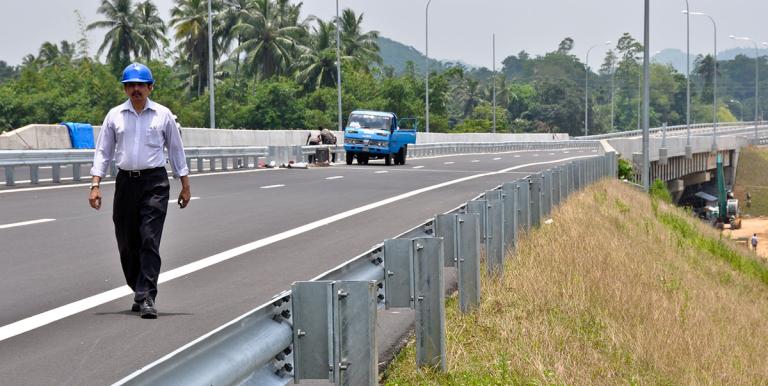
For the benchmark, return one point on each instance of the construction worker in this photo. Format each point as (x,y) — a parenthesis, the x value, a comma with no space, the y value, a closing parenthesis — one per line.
(753,241)
(327,138)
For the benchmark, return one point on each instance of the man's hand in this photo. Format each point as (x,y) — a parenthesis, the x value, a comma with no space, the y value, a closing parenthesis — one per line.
(185,195)
(94,198)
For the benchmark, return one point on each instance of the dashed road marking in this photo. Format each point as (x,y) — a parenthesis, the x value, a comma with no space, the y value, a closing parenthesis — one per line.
(477,160)
(497,158)
(23,223)
(334,177)
(272,186)
(449,163)
(382,172)
(418,167)
(517,155)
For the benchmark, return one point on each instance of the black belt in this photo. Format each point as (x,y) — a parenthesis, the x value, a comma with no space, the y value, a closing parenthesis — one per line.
(144,172)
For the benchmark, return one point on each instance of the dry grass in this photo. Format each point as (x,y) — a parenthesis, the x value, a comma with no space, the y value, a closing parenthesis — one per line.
(608,294)
(752,177)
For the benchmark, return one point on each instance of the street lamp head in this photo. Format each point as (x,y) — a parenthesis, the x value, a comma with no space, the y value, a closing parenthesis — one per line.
(765,44)
(608,43)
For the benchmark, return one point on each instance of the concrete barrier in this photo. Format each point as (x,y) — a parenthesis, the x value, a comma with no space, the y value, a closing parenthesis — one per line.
(46,137)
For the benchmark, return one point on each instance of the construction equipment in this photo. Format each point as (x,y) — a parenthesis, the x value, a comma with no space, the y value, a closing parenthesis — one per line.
(728,206)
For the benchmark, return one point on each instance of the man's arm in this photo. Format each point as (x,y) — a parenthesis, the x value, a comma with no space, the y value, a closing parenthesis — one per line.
(103,154)
(185,195)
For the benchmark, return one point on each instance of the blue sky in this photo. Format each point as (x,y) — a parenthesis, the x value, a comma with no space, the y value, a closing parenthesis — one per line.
(459,29)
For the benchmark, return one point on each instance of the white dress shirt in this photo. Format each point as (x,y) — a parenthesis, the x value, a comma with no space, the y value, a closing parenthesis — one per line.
(136,141)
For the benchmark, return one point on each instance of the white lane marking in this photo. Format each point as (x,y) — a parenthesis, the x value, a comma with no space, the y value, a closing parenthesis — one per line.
(382,172)
(517,155)
(566,152)
(334,177)
(47,317)
(272,186)
(551,153)
(536,155)
(477,160)
(449,163)
(418,167)
(594,151)
(23,223)
(497,158)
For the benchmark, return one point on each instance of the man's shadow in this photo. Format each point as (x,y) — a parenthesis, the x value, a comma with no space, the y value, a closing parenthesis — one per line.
(131,313)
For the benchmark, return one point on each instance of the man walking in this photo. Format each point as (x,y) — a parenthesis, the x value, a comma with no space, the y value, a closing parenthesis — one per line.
(133,135)
(753,241)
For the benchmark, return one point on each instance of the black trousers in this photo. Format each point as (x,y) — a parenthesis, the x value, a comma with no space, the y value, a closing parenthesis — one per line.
(140,206)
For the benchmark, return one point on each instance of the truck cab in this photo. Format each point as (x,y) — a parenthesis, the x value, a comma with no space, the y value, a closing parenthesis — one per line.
(377,135)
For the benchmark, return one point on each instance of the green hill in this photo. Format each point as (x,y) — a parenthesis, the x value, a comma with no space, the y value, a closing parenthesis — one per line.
(396,55)
(618,289)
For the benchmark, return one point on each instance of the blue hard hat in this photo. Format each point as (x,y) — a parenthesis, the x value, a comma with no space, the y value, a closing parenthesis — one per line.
(137,73)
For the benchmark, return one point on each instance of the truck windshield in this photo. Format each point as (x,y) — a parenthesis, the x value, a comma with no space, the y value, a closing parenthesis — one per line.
(368,121)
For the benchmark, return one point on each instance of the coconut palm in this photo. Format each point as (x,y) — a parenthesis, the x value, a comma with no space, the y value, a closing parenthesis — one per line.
(232,15)
(124,36)
(190,19)
(363,47)
(317,64)
(268,41)
(152,28)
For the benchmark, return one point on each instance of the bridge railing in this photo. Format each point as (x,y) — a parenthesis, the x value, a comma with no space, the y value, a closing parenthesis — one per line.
(325,328)
(221,157)
(671,130)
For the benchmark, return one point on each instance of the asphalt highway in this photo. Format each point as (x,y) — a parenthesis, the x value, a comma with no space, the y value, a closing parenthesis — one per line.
(64,309)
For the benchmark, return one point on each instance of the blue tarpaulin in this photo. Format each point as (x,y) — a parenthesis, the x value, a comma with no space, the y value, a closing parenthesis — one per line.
(81,135)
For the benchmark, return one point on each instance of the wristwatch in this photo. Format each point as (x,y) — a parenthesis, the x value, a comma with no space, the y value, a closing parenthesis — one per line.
(94,185)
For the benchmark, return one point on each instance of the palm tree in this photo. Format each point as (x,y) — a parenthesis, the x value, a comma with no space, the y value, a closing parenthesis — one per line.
(363,47)
(152,28)
(269,43)
(317,64)
(190,19)
(232,15)
(124,36)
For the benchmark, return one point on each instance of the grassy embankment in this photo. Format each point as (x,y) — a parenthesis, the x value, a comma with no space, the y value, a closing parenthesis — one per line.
(619,289)
(752,177)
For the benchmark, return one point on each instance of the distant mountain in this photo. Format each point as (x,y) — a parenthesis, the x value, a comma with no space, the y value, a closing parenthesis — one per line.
(676,57)
(396,55)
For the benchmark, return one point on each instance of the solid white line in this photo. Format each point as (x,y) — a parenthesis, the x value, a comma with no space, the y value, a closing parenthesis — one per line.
(382,172)
(272,186)
(449,163)
(334,177)
(418,167)
(39,320)
(23,223)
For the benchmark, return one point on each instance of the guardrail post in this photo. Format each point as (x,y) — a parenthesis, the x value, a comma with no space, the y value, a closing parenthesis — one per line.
(9,181)
(34,176)
(546,193)
(75,172)
(468,252)
(555,186)
(495,249)
(334,326)
(524,204)
(509,195)
(430,302)
(574,174)
(212,163)
(56,173)
(446,227)
(564,183)
(224,163)
(480,208)
(535,199)
(200,168)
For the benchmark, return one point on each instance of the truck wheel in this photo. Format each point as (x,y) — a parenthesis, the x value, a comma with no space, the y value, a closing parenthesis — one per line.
(388,159)
(350,158)
(405,155)
(362,159)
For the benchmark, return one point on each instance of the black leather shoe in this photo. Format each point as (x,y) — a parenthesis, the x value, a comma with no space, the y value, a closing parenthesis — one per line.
(148,310)
(136,307)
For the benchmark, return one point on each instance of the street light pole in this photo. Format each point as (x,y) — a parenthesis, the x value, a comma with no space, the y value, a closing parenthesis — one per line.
(338,64)
(646,173)
(426,53)
(714,79)
(586,87)
(494,83)
(211,96)
(688,72)
(613,93)
(757,75)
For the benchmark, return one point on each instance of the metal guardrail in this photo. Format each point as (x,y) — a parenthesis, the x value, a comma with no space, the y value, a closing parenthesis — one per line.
(239,157)
(671,130)
(322,328)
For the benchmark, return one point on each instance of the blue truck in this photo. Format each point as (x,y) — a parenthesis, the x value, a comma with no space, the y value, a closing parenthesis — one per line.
(378,135)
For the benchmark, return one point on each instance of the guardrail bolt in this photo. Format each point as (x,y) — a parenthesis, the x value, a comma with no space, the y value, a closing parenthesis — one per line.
(286,314)
(380,285)
(419,247)
(381,297)
(287,351)
(300,333)
(280,357)
(288,367)
(377,261)
(278,303)
(342,294)
(343,366)
(286,298)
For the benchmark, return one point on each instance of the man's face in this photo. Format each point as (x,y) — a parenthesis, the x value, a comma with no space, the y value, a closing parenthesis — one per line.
(138,92)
